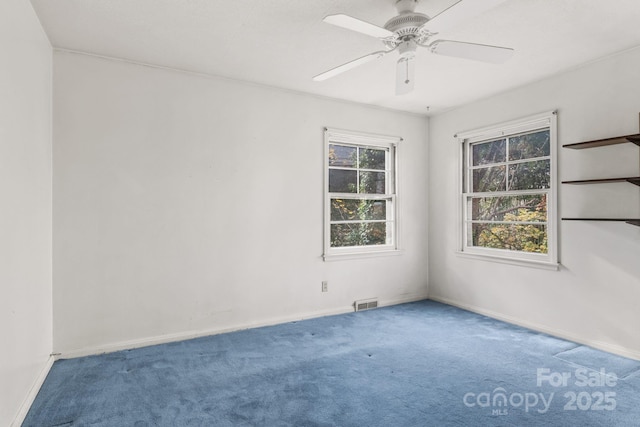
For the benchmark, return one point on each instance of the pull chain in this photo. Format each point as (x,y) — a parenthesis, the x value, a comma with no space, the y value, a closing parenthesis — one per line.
(407,80)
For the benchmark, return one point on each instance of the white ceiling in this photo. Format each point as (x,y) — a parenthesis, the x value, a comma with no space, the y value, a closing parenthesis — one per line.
(284,43)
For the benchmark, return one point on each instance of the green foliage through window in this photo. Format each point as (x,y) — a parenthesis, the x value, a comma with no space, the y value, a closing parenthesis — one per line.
(511,223)
(360,214)
(509,179)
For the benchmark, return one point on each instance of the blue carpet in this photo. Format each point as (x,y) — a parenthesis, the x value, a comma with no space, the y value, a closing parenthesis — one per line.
(418,364)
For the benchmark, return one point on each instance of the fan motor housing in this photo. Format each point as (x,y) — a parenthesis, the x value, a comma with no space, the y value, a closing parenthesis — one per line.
(406,26)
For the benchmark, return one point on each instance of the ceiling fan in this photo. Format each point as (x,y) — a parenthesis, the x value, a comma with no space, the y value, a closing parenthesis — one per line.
(410,30)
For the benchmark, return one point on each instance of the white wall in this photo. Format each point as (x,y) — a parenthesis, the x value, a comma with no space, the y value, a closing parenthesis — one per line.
(594,297)
(25,206)
(188,204)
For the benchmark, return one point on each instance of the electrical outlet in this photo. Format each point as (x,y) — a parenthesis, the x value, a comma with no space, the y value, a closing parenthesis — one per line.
(325,286)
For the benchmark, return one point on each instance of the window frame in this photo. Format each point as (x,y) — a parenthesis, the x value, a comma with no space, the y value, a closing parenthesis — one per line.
(363,140)
(465,140)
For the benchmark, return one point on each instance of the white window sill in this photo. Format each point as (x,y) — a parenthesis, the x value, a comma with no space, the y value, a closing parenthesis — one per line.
(359,255)
(544,265)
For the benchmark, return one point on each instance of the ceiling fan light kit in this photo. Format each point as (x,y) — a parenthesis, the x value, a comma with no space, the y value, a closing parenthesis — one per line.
(409,30)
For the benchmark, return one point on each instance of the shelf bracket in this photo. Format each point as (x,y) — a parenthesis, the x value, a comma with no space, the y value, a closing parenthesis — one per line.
(634,140)
(635,181)
(635,222)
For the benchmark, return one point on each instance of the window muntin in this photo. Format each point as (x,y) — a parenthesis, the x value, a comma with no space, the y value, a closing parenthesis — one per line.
(360,200)
(508,199)
(519,162)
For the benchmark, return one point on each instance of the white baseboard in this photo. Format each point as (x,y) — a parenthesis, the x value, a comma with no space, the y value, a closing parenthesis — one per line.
(608,347)
(33,392)
(402,299)
(180,336)
(163,339)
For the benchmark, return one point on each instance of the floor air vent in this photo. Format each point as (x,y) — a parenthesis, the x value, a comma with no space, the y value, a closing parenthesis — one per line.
(366,304)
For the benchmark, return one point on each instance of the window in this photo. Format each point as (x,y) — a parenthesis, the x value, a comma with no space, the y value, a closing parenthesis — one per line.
(360,193)
(508,204)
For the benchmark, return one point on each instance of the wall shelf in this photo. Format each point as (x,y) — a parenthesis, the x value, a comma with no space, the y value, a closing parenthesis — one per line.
(634,139)
(632,221)
(631,179)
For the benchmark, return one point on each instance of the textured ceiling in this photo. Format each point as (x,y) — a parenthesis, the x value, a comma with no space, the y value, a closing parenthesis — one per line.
(284,43)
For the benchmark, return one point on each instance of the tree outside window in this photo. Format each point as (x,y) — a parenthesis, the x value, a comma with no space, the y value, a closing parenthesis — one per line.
(360,196)
(508,197)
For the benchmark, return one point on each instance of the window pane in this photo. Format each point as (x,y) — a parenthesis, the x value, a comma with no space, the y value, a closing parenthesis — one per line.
(530,175)
(489,179)
(372,182)
(358,234)
(489,152)
(537,144)
(343,181)
(523,238)
(350,210)
(372,159)
(531,208)
(342,156)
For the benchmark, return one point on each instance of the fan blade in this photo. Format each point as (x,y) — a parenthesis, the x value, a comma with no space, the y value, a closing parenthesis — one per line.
(458,13)
(349,65)
(405,72)
(477,52)
(353,24)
